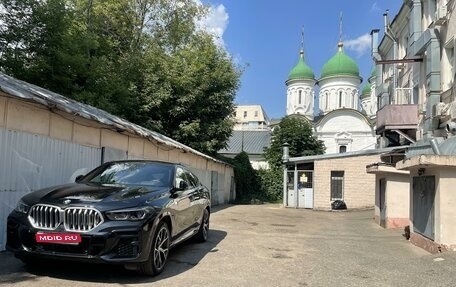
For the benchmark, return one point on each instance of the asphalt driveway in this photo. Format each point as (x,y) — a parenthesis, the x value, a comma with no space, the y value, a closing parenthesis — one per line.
(266,245)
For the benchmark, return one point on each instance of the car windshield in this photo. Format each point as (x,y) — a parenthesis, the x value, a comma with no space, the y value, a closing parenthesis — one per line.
(132,173)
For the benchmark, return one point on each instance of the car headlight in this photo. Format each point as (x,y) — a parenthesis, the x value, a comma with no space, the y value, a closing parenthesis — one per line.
(22,207)
(130,214)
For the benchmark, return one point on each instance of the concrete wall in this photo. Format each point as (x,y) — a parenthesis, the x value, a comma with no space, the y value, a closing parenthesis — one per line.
(446,207)
(33,118)
(444,210)
(359,186)
(397,199)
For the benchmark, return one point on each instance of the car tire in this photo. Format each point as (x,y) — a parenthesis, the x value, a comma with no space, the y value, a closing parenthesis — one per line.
(159,252)
(203,231)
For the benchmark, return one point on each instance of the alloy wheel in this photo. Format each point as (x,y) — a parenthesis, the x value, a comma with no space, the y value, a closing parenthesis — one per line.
(161,248)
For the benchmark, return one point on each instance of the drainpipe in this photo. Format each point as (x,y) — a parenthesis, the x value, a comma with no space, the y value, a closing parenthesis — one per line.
(374,45)
(390,34)
(376,57)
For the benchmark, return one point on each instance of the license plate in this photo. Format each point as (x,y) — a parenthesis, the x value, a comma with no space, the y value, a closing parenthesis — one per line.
(60,238)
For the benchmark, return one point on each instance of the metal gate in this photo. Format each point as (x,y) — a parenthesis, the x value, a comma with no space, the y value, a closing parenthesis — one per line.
(300,188)
(291,194)
(423,205)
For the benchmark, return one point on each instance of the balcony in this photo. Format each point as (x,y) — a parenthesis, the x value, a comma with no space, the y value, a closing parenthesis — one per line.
(397,117)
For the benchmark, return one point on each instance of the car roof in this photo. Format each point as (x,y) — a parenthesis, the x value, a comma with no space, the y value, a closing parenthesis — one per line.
(144,161)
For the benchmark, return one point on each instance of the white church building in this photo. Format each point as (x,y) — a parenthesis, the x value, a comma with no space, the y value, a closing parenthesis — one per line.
(345,120)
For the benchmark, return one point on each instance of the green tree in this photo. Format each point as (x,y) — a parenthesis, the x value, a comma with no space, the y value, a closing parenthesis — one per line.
(297,132)
(189,95)
(247,181)
(271,183)
(144,60)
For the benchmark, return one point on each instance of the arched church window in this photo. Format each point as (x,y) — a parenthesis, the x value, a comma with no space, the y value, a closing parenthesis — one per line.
(354,100)
(299,97)
(340,99)
(326,100)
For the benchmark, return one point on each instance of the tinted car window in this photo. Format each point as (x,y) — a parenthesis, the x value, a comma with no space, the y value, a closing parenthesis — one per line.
(132,173)
(180,176)
(192,179)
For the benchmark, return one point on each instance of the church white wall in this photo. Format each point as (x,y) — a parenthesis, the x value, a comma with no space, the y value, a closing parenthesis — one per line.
(306,106)
(329,93)
(348,128)
(356,143)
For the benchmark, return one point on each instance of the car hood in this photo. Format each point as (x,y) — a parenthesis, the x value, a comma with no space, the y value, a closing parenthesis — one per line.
(94,194)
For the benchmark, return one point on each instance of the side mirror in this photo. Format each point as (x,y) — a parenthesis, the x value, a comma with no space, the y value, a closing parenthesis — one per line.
(78,178)
(183,185)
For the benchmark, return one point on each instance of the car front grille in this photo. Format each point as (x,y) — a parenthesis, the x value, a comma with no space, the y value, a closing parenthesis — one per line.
(49,217)
(45,216)
(82,219)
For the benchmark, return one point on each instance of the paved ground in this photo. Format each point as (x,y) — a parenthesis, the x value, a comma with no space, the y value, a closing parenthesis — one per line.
(266,245)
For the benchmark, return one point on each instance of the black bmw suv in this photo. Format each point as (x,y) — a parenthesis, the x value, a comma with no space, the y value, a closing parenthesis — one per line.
(123,212)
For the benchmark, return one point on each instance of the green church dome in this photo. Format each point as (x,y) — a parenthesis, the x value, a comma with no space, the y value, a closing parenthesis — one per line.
(366,91)
(340,65)
(301,70)
(372,75)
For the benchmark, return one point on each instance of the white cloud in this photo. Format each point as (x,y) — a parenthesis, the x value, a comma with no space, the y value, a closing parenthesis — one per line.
(216,22)
(360,45)
(375,7)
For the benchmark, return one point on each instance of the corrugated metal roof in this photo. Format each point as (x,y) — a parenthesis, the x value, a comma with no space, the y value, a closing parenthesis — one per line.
(312,158)
(251,141)
(20,89)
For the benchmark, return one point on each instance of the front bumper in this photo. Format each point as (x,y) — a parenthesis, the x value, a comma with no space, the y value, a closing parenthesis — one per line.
(112,242)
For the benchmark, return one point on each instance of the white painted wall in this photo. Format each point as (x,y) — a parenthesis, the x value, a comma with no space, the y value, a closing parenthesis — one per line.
(345,127)
(306,107)
(329,93)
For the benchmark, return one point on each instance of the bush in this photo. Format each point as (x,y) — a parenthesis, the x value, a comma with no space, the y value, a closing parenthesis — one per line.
(271,183)
(252,186)
(247,183)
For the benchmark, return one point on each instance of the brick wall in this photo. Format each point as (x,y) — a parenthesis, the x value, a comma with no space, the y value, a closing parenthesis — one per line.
(359,186)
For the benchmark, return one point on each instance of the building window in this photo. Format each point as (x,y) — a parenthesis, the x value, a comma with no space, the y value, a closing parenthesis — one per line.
(256,113)
(342,148)
(340,99)
(299,97)
(326,100)
(245,114)
(337,185)
(448,65)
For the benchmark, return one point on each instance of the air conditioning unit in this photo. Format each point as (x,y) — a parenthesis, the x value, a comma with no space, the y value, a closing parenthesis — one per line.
(439,110)
(441,15)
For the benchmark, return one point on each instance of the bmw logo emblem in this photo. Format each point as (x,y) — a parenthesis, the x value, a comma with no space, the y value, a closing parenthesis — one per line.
(66,201)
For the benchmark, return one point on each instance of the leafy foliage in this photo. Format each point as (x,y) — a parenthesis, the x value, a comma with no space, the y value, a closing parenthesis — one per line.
(297,132)
(271,183)
(144,60)
(193,100)
(247,182)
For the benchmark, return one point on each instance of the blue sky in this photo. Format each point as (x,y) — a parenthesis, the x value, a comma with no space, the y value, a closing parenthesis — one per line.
(264,37)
